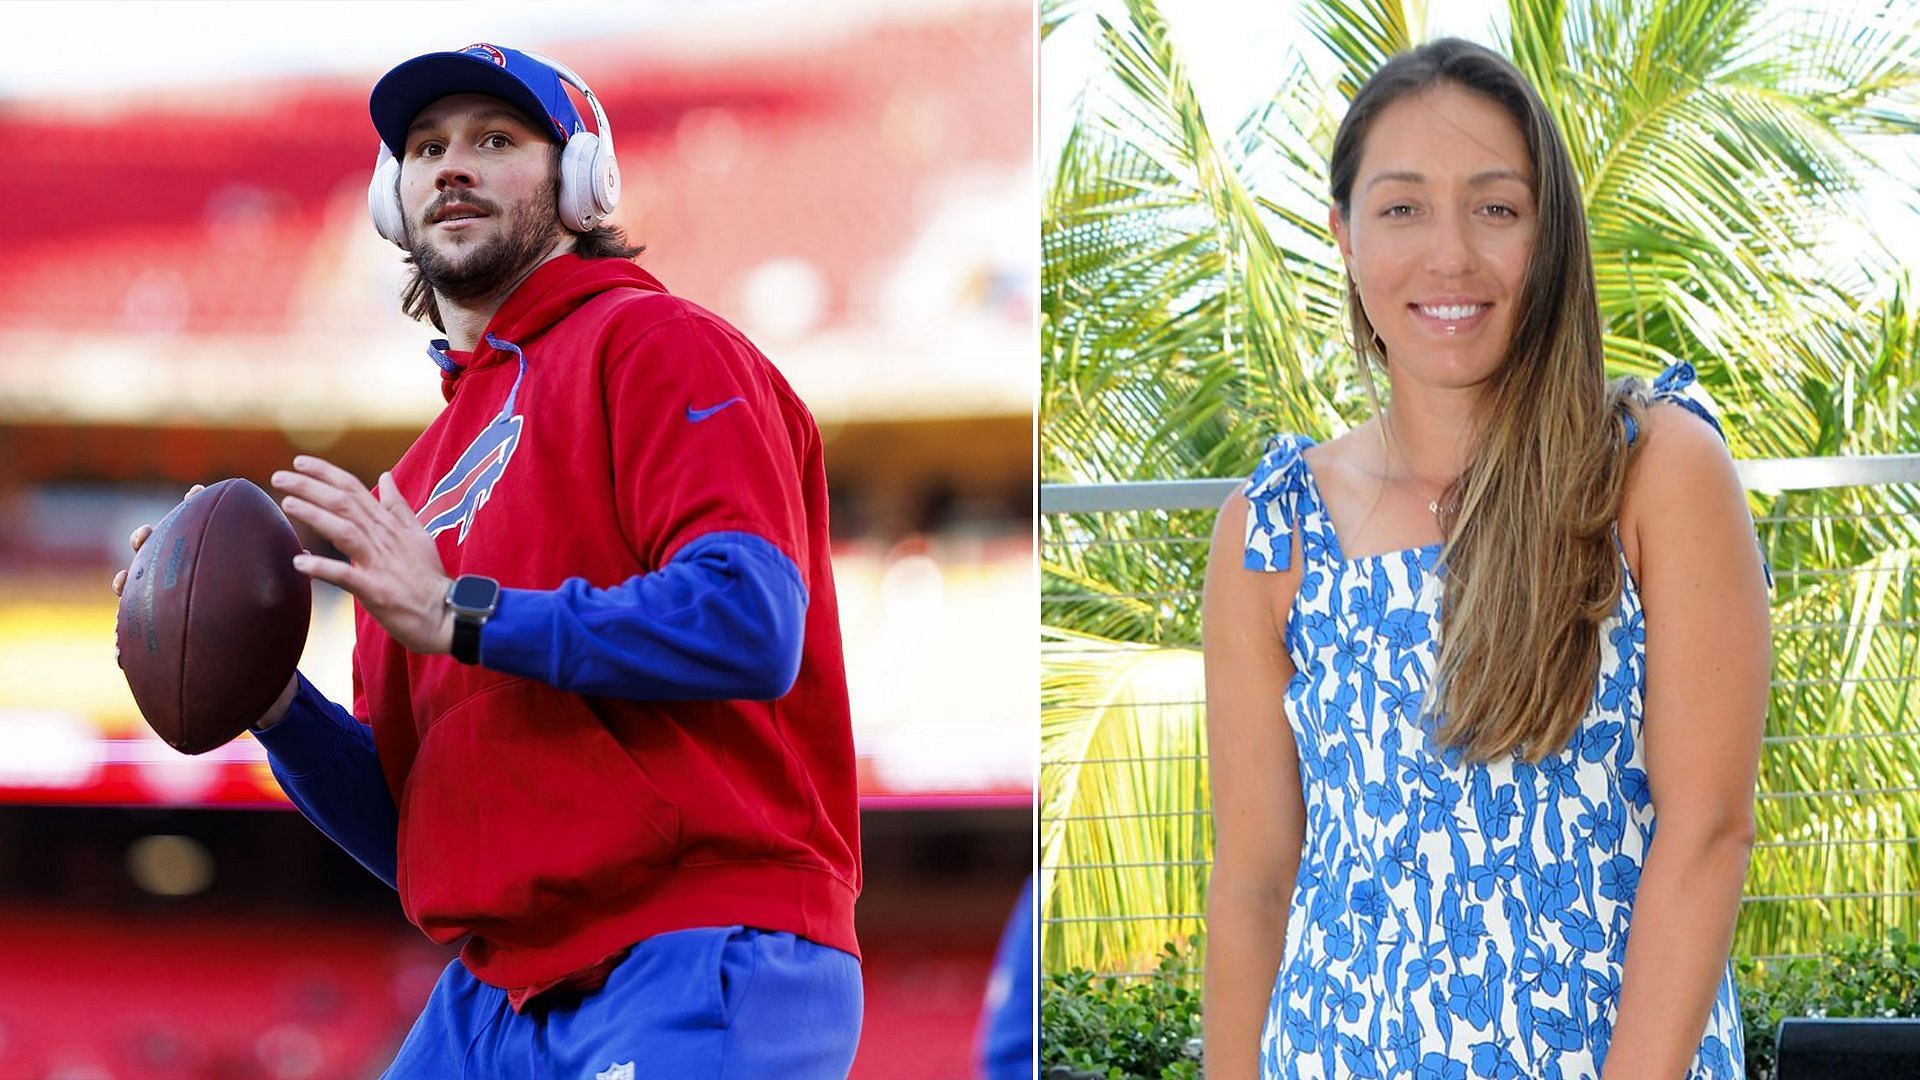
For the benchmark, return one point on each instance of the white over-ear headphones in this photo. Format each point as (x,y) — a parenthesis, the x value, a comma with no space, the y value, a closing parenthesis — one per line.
(589,174)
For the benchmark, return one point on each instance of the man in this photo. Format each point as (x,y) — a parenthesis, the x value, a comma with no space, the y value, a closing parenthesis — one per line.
(624,774)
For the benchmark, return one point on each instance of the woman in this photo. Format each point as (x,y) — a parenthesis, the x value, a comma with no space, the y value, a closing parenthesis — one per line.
(1434,823)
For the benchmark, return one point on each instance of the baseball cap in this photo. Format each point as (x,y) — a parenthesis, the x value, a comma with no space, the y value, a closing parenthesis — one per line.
(509,74)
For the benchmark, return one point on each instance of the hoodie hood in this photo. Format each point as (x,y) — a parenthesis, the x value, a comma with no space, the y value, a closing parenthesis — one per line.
(555,290)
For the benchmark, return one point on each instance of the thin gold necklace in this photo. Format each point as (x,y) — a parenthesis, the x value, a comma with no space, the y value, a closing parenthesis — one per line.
(1386,447)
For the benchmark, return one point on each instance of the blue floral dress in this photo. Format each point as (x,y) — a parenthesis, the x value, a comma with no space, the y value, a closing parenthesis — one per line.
(1448,921)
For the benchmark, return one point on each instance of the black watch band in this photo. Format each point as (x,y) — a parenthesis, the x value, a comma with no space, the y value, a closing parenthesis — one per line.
(466,639)
(472,598)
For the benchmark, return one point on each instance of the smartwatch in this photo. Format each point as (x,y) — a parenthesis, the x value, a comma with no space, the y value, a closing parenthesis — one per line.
(472,599)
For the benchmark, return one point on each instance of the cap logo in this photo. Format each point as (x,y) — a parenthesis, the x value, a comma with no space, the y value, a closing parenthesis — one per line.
(486,51)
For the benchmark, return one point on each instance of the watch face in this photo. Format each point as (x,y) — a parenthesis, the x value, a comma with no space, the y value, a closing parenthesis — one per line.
(473,593)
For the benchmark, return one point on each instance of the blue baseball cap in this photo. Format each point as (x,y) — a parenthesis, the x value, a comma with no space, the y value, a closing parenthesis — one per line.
(508,74)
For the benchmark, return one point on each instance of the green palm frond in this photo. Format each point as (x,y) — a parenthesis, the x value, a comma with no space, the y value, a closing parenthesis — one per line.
(1056,13)
(1154,243)
(1121,726)
(1362,36)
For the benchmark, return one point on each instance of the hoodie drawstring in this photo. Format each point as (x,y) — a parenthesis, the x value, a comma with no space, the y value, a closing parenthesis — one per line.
(508,346)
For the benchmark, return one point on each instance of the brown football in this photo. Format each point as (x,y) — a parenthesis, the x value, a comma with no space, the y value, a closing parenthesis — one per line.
(213,616)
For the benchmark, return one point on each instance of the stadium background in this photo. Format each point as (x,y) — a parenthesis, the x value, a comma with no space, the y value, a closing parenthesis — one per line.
(189,290)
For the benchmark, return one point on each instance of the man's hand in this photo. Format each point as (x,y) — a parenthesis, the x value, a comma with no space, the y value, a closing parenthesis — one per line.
(396,572)
(139,538)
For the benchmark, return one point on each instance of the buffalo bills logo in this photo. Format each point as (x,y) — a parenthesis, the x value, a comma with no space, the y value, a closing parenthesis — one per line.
(457,497)
(486,52)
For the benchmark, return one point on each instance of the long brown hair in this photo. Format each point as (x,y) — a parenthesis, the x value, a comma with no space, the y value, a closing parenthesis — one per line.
(1531,570)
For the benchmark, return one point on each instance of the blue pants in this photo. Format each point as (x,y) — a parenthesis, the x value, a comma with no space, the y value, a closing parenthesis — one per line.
(715,1003)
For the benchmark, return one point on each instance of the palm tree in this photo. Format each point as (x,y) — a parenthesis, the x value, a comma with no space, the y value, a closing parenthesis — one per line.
(1192,303)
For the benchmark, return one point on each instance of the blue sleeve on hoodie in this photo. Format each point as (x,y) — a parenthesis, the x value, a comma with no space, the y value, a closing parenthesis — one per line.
(723,620)
(325,762)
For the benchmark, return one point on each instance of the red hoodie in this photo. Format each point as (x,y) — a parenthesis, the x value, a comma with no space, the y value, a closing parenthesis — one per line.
(553,829)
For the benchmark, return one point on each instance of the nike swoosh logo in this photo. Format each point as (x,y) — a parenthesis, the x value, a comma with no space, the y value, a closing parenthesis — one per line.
(697,415)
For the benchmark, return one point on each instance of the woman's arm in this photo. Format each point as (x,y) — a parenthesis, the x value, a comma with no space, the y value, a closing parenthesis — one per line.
(1258,815)
(1702,587)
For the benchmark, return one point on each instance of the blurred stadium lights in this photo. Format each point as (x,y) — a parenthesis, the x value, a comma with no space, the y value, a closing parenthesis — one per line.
(56,750)
(170,865)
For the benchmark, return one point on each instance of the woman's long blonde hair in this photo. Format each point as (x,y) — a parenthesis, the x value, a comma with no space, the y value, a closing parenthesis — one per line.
(1531,570)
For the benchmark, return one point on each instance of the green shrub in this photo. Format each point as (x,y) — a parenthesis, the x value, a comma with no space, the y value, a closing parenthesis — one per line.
(1121,1030)
(1858,978)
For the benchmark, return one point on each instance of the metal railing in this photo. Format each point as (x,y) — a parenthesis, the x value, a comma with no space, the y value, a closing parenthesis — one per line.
(1839,795)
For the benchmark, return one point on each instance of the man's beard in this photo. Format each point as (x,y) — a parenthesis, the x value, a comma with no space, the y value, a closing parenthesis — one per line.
(493,265)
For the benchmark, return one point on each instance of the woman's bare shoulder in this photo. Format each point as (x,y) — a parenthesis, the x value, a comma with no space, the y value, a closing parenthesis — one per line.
(1682,478)
(1679,453)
